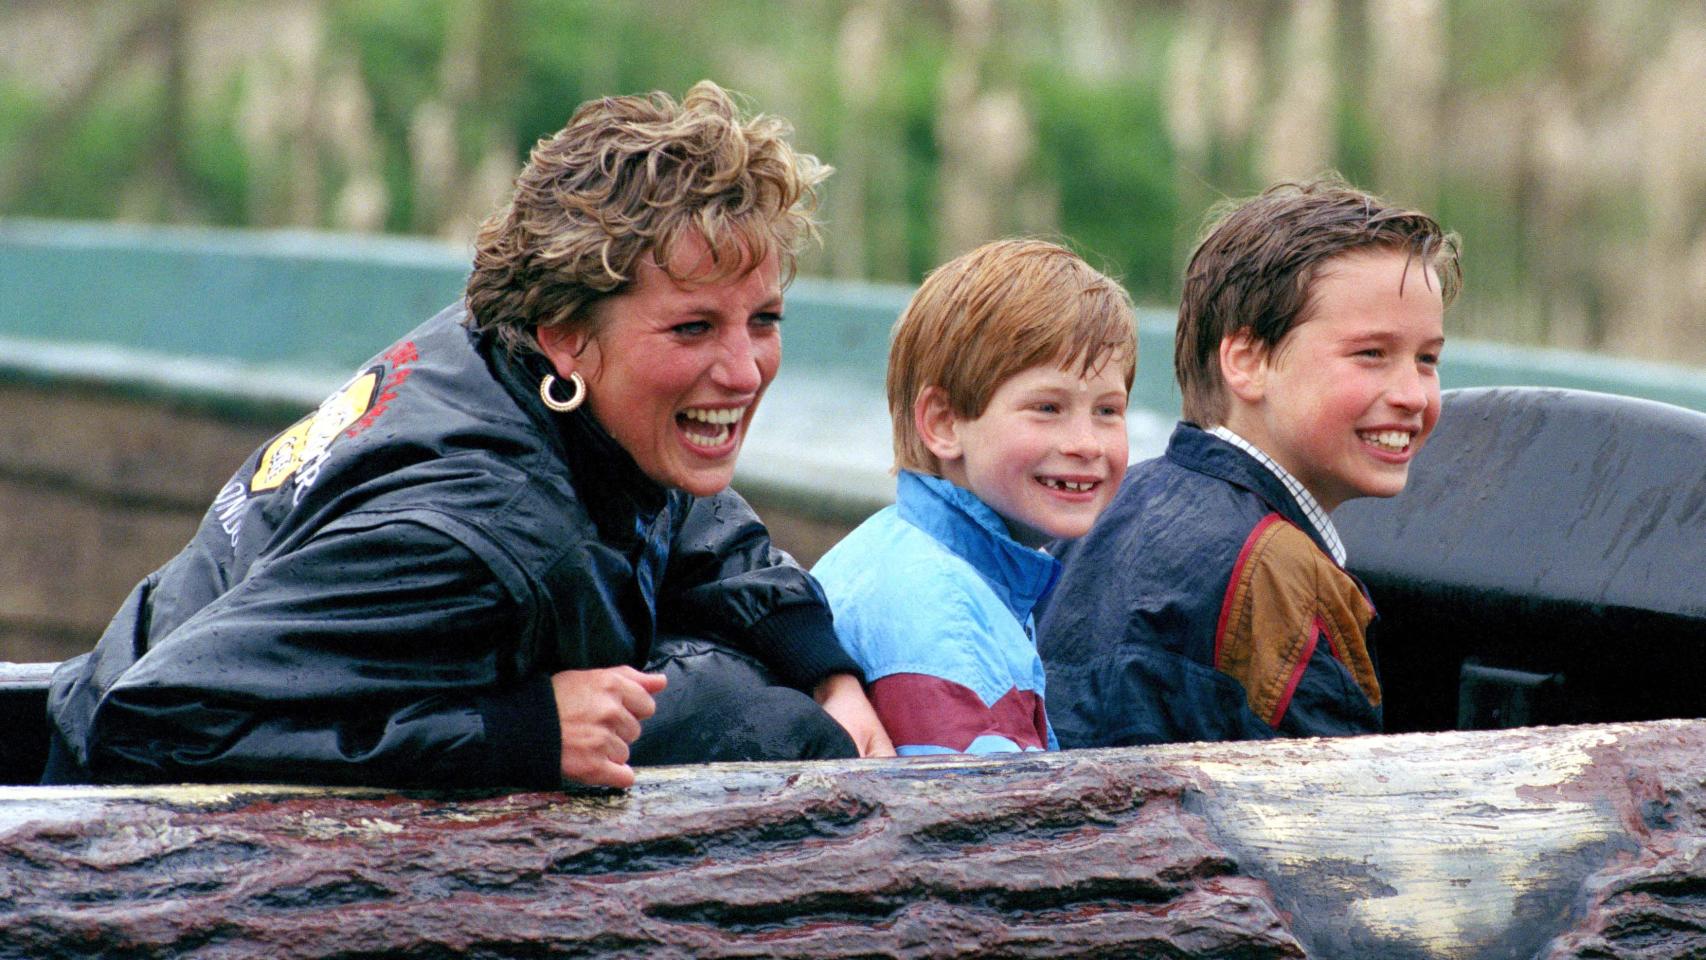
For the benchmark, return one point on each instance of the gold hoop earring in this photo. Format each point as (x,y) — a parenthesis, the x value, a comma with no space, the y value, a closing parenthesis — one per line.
(562,406)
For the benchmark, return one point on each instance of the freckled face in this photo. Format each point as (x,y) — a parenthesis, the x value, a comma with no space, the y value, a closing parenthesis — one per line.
(1349,396)
(1048,451)
(676,369)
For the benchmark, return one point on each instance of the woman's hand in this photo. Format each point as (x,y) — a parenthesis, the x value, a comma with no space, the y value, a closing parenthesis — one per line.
(843,698)
(599,713)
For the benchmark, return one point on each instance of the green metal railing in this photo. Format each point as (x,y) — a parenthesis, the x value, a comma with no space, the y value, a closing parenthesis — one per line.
(244,320)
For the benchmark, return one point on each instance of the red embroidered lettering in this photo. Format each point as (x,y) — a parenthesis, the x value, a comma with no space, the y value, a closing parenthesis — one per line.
(400,356)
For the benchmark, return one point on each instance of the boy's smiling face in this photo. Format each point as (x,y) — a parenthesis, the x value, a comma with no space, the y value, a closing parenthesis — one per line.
(1047,453)
(1346,399)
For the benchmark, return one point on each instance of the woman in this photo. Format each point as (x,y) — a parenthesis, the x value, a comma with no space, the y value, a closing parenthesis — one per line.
(449,572)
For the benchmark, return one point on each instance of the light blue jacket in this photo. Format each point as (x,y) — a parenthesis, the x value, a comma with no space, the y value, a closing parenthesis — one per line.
(933,598)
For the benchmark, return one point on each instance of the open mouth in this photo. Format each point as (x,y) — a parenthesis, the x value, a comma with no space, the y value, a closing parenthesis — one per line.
(709,427)
(1390,441)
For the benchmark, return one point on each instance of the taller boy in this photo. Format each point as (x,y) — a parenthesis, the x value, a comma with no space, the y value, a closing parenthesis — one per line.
(1210,601)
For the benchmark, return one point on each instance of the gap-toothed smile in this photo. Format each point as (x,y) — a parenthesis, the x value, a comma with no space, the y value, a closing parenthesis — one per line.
(1070,486)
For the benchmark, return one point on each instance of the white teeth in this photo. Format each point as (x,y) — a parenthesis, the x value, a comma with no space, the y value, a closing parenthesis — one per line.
(713,440)
(1394,440)
(1070,485)
(722,416)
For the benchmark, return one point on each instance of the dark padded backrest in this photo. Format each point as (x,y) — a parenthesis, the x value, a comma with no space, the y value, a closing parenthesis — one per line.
(1547,530)
(23,721)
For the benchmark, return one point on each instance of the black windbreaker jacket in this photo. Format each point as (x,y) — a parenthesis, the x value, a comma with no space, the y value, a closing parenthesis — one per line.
(382,591)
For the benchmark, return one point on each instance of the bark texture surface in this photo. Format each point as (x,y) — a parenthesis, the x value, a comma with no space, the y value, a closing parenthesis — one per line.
(1562,842)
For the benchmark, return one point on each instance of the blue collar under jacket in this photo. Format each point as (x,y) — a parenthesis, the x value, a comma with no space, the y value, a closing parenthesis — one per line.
(952,515)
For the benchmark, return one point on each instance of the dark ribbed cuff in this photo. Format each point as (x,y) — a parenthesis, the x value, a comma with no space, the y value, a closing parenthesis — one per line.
(800,646)
(523,737)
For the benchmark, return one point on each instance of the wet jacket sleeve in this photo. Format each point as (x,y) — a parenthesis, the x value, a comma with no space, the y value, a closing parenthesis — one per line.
(726,581)
(382,653)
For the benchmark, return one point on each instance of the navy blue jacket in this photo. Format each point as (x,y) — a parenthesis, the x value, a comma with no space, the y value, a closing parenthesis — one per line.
(381,593)
(1203,606)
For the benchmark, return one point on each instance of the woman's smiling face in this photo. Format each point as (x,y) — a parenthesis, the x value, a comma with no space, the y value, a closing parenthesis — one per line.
(677,368)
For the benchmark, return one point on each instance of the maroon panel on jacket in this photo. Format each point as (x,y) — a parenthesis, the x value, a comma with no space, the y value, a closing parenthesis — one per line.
(918,709)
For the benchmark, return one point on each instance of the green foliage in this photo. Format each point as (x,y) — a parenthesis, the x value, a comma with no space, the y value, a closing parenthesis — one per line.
(561,67)
(1357,134)
(916,92)
(19,110)
(219,165)
(1107,150)
(396,46)
(510,72)
(1498,42)
(101,154)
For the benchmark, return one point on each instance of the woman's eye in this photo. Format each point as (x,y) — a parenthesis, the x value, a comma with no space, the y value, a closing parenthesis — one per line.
(691,328)
(767,319)
(1428,359)
(1046,407)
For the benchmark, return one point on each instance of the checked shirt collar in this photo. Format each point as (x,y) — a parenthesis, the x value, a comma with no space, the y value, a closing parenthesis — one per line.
(1311,507)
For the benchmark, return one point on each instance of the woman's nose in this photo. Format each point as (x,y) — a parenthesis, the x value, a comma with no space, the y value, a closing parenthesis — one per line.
(737,370)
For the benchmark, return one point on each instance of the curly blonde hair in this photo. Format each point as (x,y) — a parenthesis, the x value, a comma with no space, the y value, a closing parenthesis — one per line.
(631,176)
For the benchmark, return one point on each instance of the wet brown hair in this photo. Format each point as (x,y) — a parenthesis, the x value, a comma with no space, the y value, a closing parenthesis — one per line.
(997,311)
(1255,268)
(630,176)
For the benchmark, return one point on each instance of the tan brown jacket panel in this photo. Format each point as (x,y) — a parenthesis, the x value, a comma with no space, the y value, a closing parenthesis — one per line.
(1284,598)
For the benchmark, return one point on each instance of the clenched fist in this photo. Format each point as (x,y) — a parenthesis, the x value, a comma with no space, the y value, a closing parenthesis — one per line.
(599,713)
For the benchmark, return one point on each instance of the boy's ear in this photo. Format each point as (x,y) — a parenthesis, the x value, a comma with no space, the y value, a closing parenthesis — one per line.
(1244,366)
(937,425)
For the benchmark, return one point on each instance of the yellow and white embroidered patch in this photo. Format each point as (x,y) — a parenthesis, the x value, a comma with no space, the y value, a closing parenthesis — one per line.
(307,439)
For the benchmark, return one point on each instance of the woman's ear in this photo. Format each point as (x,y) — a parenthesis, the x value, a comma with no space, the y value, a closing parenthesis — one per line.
(1244,366)
(937,424)
(563,346)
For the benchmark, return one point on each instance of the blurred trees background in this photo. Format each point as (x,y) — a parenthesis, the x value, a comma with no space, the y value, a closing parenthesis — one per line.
(1564,139)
